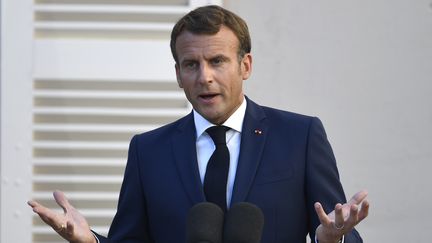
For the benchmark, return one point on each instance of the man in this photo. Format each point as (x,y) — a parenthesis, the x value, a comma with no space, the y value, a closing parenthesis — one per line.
(279,161)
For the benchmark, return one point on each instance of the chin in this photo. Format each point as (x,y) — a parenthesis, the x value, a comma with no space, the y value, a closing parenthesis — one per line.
(213,118)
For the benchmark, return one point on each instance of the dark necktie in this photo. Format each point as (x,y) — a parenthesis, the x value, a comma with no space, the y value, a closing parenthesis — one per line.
(215,180)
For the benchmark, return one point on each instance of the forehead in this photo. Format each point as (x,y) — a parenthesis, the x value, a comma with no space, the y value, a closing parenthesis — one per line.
(223,42)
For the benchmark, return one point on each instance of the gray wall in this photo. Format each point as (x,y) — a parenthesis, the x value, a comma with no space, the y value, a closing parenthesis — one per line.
(365,68)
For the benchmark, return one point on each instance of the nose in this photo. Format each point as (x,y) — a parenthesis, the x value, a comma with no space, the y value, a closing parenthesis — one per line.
(205,74)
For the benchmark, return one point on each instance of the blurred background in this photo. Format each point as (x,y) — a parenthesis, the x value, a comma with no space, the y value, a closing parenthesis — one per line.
(80,77)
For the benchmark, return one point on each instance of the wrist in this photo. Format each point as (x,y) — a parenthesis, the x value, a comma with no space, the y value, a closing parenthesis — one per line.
(325,237)
(339,241)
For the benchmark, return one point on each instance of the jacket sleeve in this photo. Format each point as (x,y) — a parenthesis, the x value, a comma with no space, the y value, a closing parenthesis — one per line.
(130,223)
(322,179)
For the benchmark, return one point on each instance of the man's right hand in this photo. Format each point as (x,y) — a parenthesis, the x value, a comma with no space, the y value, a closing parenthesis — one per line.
(70,224)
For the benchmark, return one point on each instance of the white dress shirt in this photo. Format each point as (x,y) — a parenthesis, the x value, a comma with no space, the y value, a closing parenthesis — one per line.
(205,146)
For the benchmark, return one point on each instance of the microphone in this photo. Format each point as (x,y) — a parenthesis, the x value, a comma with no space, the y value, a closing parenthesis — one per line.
(204,223)
(243,224)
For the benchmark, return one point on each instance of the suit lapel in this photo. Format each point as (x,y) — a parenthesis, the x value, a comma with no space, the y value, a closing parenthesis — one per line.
(254,134)
(184,147)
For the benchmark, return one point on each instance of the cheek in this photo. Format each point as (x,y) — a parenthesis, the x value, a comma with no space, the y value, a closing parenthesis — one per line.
(236,83)
(188,88)
(188,95)
(187,78)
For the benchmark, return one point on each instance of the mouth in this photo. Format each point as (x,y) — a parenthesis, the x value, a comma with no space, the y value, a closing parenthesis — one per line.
(207,96)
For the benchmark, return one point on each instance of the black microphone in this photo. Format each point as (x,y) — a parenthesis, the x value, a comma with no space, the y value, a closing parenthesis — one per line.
(204,223)
(243,224)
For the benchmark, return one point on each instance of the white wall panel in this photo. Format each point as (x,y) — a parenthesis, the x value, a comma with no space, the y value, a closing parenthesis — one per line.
(15,114)
(103,59)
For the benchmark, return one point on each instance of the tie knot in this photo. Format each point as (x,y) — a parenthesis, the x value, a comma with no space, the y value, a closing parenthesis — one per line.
(217,133)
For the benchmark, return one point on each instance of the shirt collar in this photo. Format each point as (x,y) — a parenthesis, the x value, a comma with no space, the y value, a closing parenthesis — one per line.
(235,121)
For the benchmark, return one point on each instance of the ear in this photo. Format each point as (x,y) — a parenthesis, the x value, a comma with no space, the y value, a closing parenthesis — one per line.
(246,66)
(177,69)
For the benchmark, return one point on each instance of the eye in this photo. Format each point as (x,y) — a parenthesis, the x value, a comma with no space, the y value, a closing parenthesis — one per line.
(190,65)
(217,61)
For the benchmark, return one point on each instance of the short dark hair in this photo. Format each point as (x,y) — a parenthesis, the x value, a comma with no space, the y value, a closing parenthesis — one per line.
(208,20)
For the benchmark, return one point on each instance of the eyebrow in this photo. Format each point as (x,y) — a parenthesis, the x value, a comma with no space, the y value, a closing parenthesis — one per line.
(217,56)
(220,56)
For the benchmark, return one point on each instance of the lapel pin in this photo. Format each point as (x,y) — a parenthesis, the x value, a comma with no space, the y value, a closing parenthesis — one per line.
(258,132)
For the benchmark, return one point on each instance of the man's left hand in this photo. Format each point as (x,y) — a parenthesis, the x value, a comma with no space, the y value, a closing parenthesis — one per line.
(343,219)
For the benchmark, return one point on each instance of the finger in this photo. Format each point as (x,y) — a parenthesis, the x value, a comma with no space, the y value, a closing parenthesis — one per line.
(50,217)
(61,200)
(353,217)
(364,211)
(61,229)
(41,210)
(358,197)
(339,217)
(323,218)
(53,221)
(35,205)
(32,203)
(70,228)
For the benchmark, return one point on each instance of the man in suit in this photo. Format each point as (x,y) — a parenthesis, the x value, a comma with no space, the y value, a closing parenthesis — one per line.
(280,161)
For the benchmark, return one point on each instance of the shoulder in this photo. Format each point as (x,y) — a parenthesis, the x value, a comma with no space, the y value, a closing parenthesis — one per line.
(275,114)
(164,132)
(283,119)
(278,114)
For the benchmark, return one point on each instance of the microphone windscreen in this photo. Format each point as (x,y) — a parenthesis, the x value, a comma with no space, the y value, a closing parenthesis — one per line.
(243,224)
(204,223)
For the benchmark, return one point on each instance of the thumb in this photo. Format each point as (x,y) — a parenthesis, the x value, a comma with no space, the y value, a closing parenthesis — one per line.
(61,200)
(358,197)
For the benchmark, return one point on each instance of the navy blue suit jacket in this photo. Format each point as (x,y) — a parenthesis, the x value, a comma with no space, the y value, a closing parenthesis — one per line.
(284,171)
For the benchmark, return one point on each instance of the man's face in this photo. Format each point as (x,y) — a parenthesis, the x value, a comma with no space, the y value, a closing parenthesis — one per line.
(211,74)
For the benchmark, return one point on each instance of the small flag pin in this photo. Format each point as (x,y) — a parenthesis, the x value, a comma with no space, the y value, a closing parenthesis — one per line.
(258,132)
